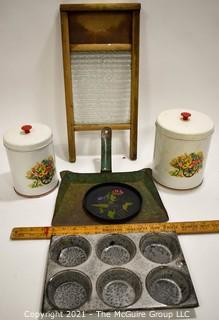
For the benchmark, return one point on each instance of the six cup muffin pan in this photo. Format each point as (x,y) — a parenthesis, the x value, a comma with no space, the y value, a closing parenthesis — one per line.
(132,271)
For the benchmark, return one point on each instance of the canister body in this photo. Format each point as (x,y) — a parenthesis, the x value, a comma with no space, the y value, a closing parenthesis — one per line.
(181,147)
(33,172)
(31,159)
(179,164)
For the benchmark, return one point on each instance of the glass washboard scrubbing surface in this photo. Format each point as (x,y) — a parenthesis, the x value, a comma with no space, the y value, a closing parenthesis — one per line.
(102,86)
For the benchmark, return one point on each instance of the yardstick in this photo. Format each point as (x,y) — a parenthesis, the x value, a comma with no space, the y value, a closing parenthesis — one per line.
(189,227)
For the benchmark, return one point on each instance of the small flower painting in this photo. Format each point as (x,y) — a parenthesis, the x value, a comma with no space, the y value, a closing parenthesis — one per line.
(111,203)
(186,165)
(41,173)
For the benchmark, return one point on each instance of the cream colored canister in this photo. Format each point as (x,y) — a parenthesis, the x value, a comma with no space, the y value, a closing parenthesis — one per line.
(181,148)
(31,159)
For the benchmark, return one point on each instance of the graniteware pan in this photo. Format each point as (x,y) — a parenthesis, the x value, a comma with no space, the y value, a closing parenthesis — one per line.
(88,198)
(133,271)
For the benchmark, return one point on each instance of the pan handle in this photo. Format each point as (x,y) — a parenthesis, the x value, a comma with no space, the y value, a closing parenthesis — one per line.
(106,155)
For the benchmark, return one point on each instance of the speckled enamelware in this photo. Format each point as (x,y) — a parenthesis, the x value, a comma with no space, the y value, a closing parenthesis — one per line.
(117,271)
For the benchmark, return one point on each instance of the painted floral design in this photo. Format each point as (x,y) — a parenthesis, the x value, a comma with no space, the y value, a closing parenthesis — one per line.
(186,165)
(41,173)
(111,203)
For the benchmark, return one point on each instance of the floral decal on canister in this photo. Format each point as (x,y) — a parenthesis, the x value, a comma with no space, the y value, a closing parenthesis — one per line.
(186,165)
(41,173)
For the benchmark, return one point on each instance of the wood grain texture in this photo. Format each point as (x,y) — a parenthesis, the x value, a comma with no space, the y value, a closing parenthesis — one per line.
(100,7)
(134,85)
(187,227)
(101,47)
(68,85)
(100,27)
(88,127)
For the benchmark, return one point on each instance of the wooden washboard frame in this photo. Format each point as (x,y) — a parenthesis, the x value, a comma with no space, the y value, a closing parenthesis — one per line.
(76,36)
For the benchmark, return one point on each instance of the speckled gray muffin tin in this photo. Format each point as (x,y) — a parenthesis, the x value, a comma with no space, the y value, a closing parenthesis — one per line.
(117,271)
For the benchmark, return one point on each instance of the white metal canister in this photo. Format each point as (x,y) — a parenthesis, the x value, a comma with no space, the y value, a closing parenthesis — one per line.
(181,147)
(31,159)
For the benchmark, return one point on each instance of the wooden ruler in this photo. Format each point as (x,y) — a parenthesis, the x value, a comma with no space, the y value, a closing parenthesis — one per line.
(189,227)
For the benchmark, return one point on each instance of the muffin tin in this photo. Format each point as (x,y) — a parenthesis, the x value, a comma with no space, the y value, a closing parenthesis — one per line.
(117,271)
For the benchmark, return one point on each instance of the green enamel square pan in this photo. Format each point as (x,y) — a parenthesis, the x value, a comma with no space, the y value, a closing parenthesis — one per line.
(108,197)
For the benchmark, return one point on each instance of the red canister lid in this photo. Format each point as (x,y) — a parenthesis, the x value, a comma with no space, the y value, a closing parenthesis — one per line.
(28,137)
(185,124)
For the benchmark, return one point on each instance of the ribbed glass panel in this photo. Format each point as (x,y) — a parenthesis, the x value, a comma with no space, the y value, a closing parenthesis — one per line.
(101,86)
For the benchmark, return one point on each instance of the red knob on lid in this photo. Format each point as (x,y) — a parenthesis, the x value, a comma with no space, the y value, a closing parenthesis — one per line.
(26,128)
(185,115)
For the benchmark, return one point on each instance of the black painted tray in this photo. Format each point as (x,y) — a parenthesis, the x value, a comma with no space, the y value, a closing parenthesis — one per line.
(69,203)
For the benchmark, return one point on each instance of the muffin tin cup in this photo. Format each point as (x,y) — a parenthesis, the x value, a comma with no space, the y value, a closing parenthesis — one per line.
(68,289)
(167,285)
(115,249)
(160,248)
(118,287)
(132,271)
(70,251)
